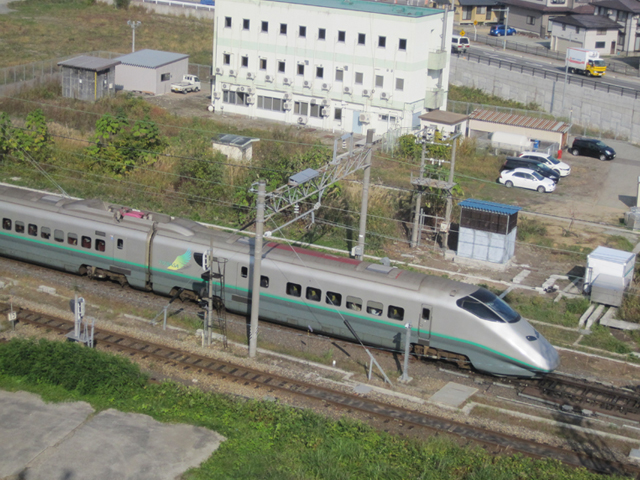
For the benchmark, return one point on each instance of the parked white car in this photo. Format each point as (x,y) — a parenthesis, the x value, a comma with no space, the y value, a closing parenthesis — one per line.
(550,161)
(526,178)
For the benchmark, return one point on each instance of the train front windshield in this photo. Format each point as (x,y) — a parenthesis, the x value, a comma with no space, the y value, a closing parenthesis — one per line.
(484,304)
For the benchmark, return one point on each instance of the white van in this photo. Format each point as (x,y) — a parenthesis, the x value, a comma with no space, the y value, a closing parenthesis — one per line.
(459,44)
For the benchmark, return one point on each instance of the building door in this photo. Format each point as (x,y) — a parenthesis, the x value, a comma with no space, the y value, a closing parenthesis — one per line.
(613,46)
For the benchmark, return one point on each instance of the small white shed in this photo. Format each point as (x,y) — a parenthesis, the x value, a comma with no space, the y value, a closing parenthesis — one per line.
(609,267)
(235,147)
(151,71)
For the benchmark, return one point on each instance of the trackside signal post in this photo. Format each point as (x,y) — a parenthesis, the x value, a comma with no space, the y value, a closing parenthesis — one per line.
(257,261)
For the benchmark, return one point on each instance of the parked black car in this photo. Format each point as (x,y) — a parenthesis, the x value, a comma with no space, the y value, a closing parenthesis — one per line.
(590,147)
(535,165)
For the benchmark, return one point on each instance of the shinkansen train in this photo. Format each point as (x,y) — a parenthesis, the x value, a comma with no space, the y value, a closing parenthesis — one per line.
(298,287)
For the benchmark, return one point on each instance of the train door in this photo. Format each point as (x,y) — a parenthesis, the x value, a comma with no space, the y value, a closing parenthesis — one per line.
(424,328)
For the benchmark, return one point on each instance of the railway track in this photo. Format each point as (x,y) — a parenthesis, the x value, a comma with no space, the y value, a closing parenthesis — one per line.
(407,421)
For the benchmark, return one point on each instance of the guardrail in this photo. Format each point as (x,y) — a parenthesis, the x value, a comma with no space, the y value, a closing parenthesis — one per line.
(584,82)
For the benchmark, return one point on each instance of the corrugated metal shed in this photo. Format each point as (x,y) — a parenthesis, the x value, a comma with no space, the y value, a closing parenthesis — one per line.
(85,62)
(489,206)
(151,58)
(519,121)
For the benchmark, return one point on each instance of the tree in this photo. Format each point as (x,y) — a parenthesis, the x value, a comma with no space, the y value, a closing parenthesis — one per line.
(32,141)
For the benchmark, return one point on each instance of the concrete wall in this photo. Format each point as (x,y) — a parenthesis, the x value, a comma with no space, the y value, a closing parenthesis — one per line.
(594,109)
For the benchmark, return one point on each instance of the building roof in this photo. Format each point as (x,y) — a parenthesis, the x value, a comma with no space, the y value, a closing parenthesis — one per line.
(151,58)
(631,6)
(85,62)
(524,4)
(492,207)
(519,120)
(611,255)
(368,7)
(588,22)
(442,116)
(233,140)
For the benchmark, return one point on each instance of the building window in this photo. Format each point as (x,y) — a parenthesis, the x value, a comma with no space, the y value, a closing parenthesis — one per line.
(339,75)
(263,64)
(283,29)
(300,69)
(402,44)
(564,27)
(245,24)
(361,38)
(577,29)
(337,114)
(601,31)
(382,42)
(301,108)
(359,78)
(322,34)
(342,36)
(265,27)
(600,44)
(165,77)
(235,98)
(226,59)
(481,10)
(281,67)
(302,32)
(531,20)
(379,81)
(467,12)
(227,22)
(270,103)
(245,61)
(400,84)
(319,72)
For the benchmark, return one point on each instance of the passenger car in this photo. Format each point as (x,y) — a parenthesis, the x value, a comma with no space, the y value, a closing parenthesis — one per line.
(459,44)
(498,31)
(516,162)
(590,147)
(526,178)
(550,161)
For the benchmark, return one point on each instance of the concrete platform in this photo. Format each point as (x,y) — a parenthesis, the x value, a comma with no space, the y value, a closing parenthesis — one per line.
(452,394)
(64,441)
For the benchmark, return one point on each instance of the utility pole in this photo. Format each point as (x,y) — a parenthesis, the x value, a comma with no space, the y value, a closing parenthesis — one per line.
(416,218)
(447,216)
(133,24)
(257,260)
(365,197)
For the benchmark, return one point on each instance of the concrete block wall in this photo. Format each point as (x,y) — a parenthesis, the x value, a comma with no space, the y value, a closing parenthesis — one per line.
(596,109)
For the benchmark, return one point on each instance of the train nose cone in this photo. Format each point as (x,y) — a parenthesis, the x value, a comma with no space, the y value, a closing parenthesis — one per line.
(549,358)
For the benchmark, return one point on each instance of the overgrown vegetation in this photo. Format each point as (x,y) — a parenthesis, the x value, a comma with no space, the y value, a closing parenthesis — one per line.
(475,95)
(265,440)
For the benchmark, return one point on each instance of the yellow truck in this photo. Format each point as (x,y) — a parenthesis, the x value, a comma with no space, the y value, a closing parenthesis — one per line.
(585,62)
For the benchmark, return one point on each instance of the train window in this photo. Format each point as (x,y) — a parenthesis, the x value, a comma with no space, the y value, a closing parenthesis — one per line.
(33,230)
(314,294)
(72,239)
(374,308)
(294,289)
(19,227)
(264,281)
(6,223)
(100,245)
(244,271)
(58,235)
(334,299)
(45,232)
(426,314)
(120,244)
(479,309)
(395,313)
(86,242)
(354,303)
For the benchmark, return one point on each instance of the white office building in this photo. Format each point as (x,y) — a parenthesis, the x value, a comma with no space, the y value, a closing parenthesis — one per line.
(340,65)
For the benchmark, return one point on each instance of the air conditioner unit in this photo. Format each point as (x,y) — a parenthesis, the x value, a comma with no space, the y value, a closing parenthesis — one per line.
(241,89)
(250,90)
(365,93)
(219,71)
(250,76)
(232,73)
(325,102)
(287,81)
(385,96)
(347,90)
(306,84)
(251,99)
(287,96)
(364,118)
(217,95)
(326,86)
(268,78)
(324,112)
(302,120)
(288,105)
(225,86)
(314,101)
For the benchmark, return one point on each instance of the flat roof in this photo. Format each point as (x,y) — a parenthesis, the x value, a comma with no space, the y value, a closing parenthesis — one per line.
(234,140)
(87,62)
(492,207)
(492,116)
(442,116)
(368,7)
(611,255)
(151,58)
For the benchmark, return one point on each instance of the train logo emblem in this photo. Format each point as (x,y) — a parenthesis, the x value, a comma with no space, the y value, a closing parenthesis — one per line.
(181,261)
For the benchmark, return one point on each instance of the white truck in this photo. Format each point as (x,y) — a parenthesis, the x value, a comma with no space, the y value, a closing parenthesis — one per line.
(585,62)
(189,83)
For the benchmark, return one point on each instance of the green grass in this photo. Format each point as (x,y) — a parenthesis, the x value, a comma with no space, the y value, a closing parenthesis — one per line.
(566,312)
(265,440)
(475,95)
(601,338)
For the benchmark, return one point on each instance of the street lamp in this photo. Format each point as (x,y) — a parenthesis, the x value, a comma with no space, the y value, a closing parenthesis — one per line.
(506,25)
(133,24)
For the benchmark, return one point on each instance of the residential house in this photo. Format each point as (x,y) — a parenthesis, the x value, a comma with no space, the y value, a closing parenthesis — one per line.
(593,32)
